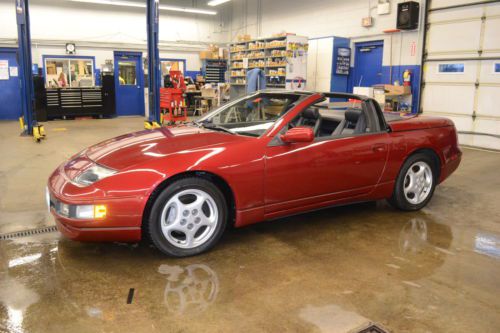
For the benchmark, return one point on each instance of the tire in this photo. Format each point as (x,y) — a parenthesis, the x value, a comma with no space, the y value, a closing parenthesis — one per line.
(413,190)
(187,218)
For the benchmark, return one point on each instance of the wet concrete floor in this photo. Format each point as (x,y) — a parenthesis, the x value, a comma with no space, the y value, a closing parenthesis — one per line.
(335,270)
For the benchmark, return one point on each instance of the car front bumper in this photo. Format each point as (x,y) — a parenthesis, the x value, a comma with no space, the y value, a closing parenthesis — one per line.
(98,234)
(123,213)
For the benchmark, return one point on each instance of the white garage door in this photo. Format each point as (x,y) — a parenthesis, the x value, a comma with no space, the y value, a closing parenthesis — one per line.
(462,69)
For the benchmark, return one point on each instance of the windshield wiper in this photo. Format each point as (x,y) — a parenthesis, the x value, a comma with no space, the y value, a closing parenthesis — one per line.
(212,126)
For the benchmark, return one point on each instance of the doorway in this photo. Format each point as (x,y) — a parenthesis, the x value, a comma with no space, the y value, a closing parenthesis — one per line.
(129,83)
(168,65)
(10,96)
(368,63)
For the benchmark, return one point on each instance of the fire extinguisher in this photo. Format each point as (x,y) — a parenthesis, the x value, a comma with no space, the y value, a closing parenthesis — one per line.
(407,78)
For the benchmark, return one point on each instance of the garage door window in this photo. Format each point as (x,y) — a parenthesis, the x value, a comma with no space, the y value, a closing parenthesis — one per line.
(451,68)
(496,69)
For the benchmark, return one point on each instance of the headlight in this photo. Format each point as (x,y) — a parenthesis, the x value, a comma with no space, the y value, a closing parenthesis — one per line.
(90,211)
(93,174)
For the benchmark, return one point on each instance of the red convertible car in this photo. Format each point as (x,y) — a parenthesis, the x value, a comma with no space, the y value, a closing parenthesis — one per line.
(260,157)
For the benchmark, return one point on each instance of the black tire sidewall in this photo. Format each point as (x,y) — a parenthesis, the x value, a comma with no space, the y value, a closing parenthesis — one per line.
(398,198)
(154,223)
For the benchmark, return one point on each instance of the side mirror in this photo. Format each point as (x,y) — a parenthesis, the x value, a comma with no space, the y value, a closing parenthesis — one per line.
(298,134)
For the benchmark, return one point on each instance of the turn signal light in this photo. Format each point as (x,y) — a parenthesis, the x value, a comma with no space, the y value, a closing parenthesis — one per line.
(99,211)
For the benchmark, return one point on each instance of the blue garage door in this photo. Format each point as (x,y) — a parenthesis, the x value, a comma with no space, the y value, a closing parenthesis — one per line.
(10,94)
(368,63)
(129,83)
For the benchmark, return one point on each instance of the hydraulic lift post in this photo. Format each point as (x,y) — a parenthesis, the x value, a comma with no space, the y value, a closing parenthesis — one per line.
(154,69)
(25,66)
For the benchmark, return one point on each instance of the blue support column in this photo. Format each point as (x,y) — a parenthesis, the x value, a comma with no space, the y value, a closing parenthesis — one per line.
(154,69)
(25,64)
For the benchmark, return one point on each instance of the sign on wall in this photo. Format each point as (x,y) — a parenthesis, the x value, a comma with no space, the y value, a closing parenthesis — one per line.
(13,71)
(4,69)
(343,61)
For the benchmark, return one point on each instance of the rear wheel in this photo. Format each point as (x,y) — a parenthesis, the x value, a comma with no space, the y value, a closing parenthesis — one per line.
(415,183)
(188,217)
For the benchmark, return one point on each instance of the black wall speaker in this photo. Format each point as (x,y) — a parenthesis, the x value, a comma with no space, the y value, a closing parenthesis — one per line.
(408,15)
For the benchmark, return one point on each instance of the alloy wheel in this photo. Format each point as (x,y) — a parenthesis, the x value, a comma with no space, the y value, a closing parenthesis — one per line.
(189,218)
(418,182)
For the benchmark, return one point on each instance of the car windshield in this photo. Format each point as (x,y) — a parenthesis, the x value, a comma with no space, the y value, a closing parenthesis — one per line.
(251,115)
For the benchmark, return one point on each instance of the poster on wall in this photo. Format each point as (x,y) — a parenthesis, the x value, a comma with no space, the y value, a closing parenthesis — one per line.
(343,61)
(4,69)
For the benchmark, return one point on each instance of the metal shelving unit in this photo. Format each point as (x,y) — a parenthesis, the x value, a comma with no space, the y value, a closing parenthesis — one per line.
(283,59)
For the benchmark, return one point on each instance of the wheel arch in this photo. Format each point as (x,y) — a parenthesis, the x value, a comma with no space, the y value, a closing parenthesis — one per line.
(431,153)
(217,180)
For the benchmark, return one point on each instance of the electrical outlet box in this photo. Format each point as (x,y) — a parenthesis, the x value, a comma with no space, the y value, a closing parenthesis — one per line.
(384,8)
(367,21)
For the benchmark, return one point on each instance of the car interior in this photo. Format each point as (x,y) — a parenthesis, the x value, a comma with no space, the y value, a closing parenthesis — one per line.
(254,116)
(333,119)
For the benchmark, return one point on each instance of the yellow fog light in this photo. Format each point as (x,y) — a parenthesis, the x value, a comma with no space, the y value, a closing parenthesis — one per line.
(99,211)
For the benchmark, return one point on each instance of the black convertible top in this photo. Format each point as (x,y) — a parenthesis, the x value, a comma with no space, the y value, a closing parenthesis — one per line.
(397,116)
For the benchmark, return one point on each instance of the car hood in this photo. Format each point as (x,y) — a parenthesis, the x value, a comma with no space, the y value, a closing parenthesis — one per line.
(130,149)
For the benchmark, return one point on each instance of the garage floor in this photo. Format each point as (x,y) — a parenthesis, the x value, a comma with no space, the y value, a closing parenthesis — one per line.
(334,270)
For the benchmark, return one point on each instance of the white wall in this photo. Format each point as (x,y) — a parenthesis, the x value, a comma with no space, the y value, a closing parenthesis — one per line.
(97,30)
(65,20)
(319,18)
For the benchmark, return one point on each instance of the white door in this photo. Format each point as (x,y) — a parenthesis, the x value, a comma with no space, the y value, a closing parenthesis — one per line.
(462,69)
(319,64)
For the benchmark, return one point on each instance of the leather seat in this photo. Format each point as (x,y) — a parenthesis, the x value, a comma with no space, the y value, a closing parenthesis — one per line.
(310,117)
(354,122)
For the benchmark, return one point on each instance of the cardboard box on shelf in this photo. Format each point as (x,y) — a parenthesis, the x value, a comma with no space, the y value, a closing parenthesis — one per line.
(223,53)
(365,91)
(213,48)
(379,96)
(209,55)
(191,87)
(284,34)
(244,38)
(392,90)
(208,93)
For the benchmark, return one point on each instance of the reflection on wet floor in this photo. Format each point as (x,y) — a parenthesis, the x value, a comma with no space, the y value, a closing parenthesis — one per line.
(336,270)
(285,275)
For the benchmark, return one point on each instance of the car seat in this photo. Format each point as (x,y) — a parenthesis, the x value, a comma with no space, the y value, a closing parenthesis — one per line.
(310,117)
(354,122)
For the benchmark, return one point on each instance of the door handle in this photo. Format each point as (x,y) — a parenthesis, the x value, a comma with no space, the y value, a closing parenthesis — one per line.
(379,147)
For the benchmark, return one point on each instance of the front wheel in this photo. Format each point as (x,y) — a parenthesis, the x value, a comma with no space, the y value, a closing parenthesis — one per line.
(188,217)
(415,183)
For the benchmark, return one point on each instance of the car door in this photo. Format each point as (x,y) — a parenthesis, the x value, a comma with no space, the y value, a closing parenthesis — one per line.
(325,170)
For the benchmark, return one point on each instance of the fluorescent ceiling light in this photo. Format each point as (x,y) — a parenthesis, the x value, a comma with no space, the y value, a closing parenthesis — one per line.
(188,10)
(214,3)
(143,5)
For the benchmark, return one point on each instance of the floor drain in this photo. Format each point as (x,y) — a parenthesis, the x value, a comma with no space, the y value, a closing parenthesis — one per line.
(26,233)
(373,329)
